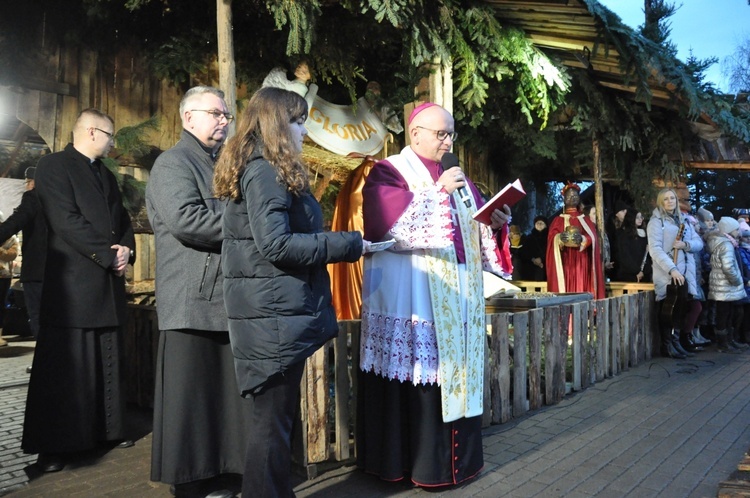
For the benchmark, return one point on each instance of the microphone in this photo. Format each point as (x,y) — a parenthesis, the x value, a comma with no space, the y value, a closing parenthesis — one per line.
(448,161)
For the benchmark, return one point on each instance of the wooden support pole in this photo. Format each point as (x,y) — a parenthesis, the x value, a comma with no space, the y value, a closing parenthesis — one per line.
(598,198)
(227,72)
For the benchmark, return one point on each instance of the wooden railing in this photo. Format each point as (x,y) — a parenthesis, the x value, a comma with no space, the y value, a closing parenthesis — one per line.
(533,358)
(613,288)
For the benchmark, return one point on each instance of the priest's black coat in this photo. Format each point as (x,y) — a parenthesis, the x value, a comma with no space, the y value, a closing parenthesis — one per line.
(85,219)
(75,397)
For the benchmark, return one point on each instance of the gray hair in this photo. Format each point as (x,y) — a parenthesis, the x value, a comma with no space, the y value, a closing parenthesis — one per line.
(197,91)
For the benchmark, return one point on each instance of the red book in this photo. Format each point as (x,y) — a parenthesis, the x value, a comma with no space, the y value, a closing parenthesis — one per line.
(512,193)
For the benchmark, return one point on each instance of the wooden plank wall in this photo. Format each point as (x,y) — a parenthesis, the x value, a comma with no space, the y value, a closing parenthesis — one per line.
(538,372)
(527,359)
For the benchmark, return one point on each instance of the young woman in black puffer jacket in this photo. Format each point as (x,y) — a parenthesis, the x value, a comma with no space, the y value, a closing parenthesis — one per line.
(276,288)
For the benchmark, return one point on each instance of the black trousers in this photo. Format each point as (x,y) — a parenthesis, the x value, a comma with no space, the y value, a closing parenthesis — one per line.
(728,314)
(268,462)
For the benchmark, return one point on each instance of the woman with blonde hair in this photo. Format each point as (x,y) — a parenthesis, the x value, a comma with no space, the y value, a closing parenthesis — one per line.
(276,288)
(672,244)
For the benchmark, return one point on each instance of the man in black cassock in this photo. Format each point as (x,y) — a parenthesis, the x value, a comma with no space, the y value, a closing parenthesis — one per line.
(75,399)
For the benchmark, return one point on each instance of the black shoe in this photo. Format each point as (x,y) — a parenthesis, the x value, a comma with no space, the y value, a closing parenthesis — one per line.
(668,351)
(676,345)
(28,370)
(221,493)
(200,488)
(125,443)
(688,345)
(50,462)
(738,345)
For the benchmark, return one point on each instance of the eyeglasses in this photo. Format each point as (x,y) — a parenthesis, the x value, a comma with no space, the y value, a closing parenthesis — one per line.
(442,134)
(217,114)
(109,135)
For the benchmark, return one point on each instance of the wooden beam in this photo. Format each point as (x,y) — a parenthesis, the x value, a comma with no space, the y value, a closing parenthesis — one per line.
(555,42)
(656,93)
(548,8)
(739,166)
(48,86)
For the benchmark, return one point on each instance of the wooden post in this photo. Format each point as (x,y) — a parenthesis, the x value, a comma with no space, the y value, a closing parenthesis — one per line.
(586,339)
(486,391)
(536,331)
(315,391)
(577,349)
(520,367)
(342,388)
(500,375)
(227,73)
(598,198)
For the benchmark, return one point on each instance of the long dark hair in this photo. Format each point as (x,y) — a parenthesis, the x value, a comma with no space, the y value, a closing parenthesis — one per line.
(265,124)
(629,228)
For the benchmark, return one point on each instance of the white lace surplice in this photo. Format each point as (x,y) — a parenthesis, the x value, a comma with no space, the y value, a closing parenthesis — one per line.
(399,339)
(398,332)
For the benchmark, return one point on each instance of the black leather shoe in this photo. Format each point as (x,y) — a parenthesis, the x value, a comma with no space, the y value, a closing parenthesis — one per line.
(221,493)
(50,462)
(688,345)
(668,351)
(125,443)
(676,345)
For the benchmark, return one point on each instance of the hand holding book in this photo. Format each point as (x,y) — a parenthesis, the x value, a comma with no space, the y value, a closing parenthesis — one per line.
(508,196)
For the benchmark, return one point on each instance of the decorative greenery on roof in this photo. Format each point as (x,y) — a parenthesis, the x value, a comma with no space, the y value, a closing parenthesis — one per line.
(483,52)
(648,62)
(537,118)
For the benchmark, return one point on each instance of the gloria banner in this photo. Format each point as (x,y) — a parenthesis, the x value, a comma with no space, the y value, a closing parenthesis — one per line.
(340,129)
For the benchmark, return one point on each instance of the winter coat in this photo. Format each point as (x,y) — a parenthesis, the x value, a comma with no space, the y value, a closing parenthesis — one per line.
(85,217)
(631,251)
(725,282)
(662,232)
(186,219)
(535,246)
(276,287)
(743,259)
(701,275)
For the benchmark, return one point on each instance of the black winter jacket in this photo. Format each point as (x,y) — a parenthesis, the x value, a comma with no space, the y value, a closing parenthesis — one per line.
(276,287)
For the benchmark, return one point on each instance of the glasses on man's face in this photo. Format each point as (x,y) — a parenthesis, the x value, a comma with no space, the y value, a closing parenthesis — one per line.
(217,114)
(442,134)
(109,135)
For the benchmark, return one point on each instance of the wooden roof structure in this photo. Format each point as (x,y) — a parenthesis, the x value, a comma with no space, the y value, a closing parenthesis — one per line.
(569,31)
(582,34)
